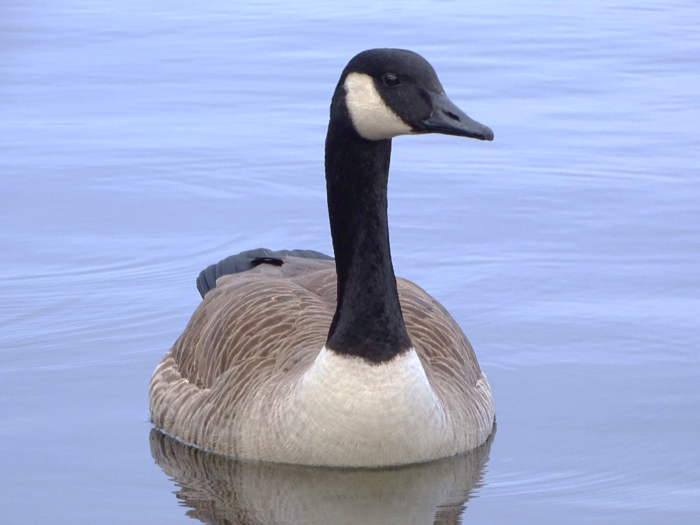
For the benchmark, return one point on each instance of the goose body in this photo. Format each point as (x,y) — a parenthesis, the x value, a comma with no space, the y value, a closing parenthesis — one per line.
(309,360)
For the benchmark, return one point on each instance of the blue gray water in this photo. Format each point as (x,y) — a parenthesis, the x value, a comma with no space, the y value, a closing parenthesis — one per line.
(141,141)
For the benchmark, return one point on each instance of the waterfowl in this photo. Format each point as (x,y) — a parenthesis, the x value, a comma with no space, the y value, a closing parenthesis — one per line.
(306,360)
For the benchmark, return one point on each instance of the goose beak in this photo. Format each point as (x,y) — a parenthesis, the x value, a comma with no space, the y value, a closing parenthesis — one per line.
(448,119)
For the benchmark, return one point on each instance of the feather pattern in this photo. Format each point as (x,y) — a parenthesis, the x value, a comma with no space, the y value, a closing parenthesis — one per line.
(229,383)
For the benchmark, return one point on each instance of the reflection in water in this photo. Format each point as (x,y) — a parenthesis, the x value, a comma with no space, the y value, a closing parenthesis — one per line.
(222,490)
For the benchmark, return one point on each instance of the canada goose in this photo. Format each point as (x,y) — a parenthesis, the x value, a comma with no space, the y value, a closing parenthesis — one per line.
(257,372)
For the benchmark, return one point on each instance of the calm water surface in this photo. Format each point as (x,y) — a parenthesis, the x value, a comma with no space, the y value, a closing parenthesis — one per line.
(142,141)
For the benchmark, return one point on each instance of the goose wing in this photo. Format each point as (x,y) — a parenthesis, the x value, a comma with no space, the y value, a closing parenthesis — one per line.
(447,356)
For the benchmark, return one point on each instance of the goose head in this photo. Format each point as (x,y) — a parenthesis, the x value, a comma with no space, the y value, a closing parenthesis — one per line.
(384,93)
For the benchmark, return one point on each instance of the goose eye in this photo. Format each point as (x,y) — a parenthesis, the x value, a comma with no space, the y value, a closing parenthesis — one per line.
(391,80)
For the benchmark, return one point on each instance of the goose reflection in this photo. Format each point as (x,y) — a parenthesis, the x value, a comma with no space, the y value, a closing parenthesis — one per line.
(222,490)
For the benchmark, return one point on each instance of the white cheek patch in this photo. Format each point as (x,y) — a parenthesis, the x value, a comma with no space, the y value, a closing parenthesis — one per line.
(372,118)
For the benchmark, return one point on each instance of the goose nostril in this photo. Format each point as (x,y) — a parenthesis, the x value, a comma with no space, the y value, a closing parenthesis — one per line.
(451,115)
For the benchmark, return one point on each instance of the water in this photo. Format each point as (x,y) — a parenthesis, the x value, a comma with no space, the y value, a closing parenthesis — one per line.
(142,141)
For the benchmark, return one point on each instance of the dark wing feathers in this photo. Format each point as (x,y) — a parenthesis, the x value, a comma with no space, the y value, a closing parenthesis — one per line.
(245,261)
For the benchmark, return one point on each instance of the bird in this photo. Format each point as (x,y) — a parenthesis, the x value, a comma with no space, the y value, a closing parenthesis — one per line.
(295,357)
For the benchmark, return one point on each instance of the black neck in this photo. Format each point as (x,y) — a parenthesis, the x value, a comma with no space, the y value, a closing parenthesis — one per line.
(368,320)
